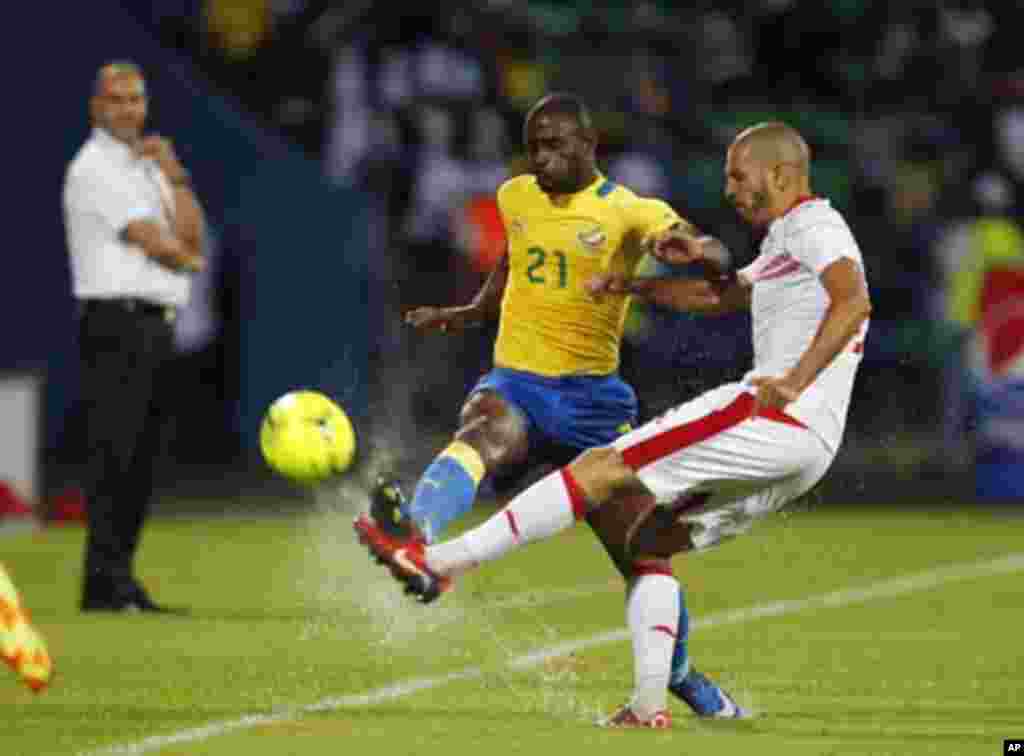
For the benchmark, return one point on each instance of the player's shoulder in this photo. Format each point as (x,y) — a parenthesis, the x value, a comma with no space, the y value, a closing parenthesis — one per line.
(88,162)
(815,226)
(616,194)
(816,216)
(620,195)
(83,167)
(518,188)
(817,213)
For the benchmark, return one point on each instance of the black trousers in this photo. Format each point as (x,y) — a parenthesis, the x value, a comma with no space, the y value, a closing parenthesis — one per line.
(125,348)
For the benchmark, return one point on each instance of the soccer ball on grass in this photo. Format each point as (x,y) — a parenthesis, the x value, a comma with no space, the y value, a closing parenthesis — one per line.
(307,438)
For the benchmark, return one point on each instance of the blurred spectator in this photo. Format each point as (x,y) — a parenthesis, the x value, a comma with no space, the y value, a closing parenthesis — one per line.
(1009,126)
(348,134)
(965,28)
(989,240)
(440,181)
(413,105)
(899,262)
(970,255)
(238,28)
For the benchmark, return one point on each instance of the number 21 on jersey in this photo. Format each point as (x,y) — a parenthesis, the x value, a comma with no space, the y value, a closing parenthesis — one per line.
(547,267)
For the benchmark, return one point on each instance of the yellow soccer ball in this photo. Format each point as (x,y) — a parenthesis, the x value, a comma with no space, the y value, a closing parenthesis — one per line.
(307,438)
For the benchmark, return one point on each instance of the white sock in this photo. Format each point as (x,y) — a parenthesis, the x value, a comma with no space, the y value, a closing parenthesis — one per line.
(542,510)
(652,612)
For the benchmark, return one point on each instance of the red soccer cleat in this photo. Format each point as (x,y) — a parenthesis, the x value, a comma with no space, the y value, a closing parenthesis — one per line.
(405,557)
(626,717)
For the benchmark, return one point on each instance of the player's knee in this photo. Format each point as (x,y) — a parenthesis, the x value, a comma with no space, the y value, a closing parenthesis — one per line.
(660,535)
(496,437)
(600,473)
(649,565)
(481,404)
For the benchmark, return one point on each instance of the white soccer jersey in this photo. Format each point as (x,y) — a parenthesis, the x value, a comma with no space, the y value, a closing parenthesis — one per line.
(788,305)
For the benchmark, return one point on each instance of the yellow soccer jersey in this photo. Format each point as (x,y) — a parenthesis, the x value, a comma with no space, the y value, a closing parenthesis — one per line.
(550,323)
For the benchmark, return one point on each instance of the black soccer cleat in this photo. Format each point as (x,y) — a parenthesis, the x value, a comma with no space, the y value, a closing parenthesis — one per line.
(386,503)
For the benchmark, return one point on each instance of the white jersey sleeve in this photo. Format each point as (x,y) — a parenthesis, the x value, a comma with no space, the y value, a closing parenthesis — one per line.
(818,246)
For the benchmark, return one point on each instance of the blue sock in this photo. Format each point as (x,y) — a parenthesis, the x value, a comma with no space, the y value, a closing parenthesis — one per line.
(446,490)
(686,682)
(681,654)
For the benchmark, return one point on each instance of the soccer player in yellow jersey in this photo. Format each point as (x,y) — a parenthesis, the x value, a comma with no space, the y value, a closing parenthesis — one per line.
(554,390)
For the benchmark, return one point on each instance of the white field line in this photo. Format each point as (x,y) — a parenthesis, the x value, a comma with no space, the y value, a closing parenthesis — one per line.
(883,589)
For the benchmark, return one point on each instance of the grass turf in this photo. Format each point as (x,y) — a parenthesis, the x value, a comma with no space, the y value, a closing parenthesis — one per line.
(293,638)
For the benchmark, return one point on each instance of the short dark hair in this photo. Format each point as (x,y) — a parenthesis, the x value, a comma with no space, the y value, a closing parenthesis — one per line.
(563,103)
(116,68)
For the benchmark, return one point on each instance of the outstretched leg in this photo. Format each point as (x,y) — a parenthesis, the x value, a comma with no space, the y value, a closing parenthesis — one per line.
(492,435)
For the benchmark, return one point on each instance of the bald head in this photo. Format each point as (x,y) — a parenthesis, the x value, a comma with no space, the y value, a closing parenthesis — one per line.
(767,171)
(775,143)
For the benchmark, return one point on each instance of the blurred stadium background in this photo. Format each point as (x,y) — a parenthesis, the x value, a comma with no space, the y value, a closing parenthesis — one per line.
(347,153)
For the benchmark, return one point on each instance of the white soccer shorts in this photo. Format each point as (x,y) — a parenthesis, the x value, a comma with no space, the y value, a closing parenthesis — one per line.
(721,467)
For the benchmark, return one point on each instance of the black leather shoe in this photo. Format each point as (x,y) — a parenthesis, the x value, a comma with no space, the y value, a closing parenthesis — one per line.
(105,594)
(126,598)
(106,604)
(142,602)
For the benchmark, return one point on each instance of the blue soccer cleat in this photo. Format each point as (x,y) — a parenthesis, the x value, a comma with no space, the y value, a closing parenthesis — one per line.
(706,699)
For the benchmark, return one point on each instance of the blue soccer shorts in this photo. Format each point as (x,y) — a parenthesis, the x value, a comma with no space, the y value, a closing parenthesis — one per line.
(577,411)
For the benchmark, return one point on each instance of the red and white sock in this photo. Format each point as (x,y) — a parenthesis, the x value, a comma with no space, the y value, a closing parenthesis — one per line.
(549,506)
(652,613)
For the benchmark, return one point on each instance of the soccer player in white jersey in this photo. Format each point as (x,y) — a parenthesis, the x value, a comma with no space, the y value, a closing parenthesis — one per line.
(705,470)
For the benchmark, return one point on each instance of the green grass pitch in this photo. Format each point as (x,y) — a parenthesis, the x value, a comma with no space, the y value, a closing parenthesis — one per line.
(847,631)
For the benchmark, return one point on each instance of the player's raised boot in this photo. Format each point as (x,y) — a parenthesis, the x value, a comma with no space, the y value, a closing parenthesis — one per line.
(706,699)
(406,558)
(387,508)
(626,717)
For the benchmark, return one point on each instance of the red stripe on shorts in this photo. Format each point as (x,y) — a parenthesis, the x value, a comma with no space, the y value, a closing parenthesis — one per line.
(701,429)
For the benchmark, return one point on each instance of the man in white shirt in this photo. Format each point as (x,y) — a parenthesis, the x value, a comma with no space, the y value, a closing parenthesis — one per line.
(135,233)
(705,470)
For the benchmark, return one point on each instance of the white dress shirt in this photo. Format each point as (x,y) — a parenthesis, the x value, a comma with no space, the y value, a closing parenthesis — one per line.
(107,186)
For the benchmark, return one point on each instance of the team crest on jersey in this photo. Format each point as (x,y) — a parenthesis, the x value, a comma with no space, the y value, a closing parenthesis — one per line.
(516,227)
(592,238)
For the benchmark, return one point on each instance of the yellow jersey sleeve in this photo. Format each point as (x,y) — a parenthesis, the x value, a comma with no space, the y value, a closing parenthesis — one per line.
(647,216)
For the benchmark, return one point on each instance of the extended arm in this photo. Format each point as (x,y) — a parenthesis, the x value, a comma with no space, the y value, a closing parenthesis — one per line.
(689,294)
(486,305)
(720,292)
(849,307)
